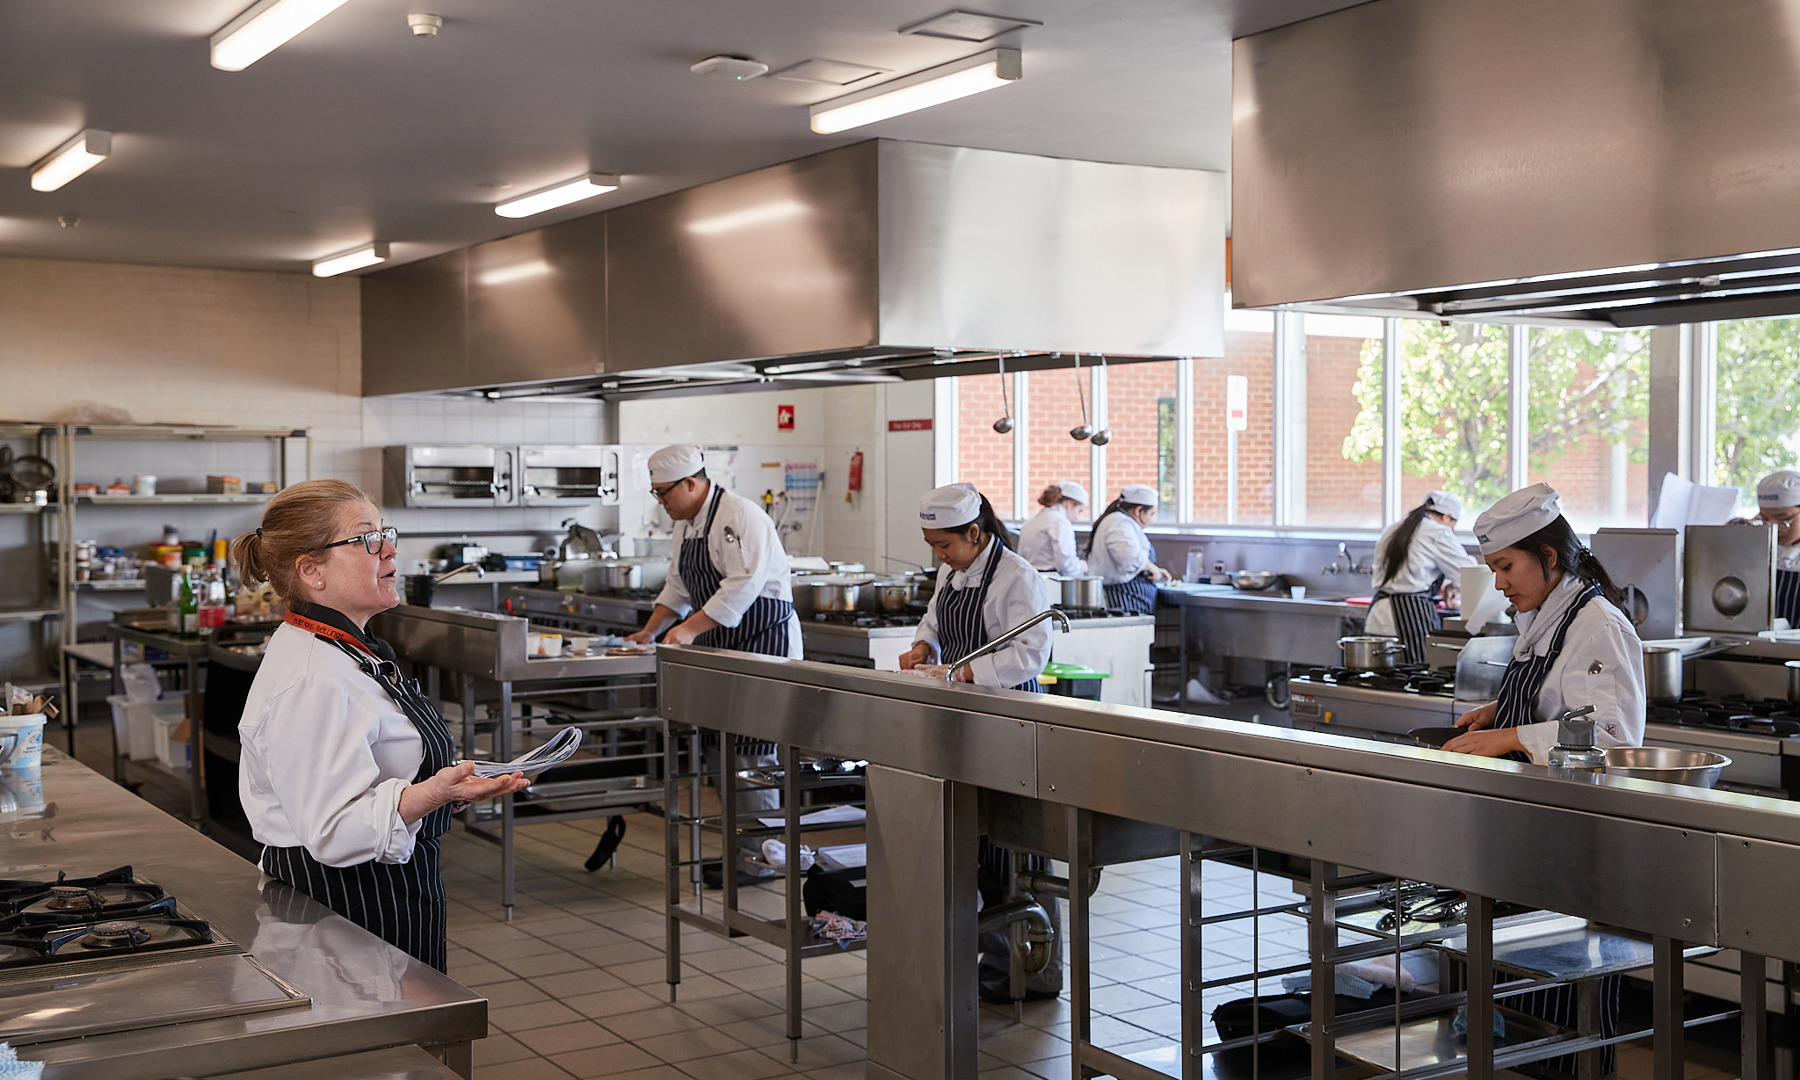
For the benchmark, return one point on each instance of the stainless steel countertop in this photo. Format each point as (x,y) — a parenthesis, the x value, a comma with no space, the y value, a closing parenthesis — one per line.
(491,645)
(1264,603)
(365,994)
(810,628)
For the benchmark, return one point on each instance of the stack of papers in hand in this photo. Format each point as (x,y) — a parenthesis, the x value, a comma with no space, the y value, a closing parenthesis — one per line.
(554,752)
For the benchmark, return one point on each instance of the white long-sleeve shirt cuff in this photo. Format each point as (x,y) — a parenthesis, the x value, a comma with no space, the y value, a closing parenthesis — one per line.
(394,843)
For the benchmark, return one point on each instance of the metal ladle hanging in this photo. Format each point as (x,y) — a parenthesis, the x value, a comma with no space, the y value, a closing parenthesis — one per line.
(1005,423)
(1104,435)
(1084,429)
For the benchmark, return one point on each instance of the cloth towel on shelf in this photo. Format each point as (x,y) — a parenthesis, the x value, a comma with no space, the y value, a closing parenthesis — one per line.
(839,928)
(11,1068)
(1348,985)
(775,854)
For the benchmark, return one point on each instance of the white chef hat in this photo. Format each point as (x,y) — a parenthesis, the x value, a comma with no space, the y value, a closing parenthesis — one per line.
(949,507)
(1517,516)
(1072,490)
(676,462)
(1141,494)
(1779,489)
(1444,503)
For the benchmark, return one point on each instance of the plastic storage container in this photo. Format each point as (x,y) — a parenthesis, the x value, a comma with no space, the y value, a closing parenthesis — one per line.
(1073,680)
(173,753)
(134,723)
(28,752)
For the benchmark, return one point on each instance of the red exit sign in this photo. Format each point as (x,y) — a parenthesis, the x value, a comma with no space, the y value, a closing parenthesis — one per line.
(909,425)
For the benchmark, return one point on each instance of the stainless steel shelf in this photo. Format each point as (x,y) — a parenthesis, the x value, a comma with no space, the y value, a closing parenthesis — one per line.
(196,499)
(30,508)
(118,585)
(29,614)
(179,431)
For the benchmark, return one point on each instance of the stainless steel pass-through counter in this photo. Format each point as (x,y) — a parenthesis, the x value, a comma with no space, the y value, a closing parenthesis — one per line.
(300,982)
(1680,866)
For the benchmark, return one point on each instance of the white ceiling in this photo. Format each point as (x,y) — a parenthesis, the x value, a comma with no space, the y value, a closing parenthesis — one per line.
(357,131)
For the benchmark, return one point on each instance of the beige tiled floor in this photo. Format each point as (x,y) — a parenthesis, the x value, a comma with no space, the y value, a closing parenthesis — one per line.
(576,983)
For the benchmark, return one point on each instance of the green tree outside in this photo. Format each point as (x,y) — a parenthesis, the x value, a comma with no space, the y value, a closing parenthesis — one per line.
(1584,384)
(1756,417)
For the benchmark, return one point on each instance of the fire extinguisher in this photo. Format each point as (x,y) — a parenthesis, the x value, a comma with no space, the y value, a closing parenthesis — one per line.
(855,484)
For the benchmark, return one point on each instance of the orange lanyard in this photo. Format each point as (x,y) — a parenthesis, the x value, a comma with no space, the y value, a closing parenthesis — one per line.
(313,626)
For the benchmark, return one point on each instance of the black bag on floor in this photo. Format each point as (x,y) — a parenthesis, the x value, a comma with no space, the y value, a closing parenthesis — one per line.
(842,892)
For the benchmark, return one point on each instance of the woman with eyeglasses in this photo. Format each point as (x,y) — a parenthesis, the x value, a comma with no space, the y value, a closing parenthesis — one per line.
(347,772)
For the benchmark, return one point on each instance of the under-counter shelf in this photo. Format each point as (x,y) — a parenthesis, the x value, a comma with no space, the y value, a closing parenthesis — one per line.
(30,508)
(29,614)
(1428,1041)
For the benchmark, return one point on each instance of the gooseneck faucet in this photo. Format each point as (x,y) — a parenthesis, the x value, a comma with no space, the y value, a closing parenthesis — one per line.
(1004,639)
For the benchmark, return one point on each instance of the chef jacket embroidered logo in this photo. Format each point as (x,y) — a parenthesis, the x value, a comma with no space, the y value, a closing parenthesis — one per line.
(929,517)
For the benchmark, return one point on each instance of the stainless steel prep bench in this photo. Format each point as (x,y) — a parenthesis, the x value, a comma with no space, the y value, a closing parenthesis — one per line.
(1220,621)
(365,994)
(1680,866)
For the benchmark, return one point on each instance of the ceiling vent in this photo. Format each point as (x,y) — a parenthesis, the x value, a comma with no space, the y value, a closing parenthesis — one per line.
(968,26)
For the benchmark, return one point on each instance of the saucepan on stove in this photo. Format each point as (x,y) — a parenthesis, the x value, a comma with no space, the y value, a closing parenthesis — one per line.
(1083,594)
(1662,671)
(1368,652)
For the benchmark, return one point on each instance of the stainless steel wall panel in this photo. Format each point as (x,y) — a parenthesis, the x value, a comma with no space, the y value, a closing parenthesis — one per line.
(1652,878)
(1418,144)
(776,262)
(537,304)
(989,250)
(413,333)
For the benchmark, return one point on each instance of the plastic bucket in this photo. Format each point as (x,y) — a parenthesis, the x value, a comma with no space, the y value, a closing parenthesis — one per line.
(28,752)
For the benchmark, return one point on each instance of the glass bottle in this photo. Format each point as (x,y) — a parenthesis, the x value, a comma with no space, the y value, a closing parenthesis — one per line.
(211,601)
(187,606)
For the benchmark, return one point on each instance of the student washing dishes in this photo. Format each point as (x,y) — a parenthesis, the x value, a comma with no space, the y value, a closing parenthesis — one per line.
(1413,557)
(1120,555)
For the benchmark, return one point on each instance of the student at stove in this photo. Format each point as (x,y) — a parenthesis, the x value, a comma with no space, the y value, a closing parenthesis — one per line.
(1415,556)
(346,772)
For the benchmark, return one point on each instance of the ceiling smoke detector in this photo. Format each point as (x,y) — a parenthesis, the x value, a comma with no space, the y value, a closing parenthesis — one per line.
(424,25)
(730,68)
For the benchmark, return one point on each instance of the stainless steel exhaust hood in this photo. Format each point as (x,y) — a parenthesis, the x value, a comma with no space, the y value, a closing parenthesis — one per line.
(873,262)
(1615,162)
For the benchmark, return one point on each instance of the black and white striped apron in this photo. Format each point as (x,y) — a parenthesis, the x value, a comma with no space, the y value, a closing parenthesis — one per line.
(1137,596)
(764,625)
(962,628)
(1517,706)
(1787,597)
(1415,617)
(402,903)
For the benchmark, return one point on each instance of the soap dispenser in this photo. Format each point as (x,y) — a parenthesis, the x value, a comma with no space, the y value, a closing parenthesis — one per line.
(1575,750)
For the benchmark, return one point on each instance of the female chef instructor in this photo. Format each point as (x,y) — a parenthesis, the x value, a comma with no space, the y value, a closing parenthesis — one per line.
(1119,551)
(1047,541)
(1411,558)
(346,769)
(1575,647)
(985,588)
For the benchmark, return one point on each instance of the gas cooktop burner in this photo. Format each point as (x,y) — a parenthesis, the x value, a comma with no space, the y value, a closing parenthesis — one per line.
(72,898)
(1770,716)
(626,594)
(1405,679)
(115,935)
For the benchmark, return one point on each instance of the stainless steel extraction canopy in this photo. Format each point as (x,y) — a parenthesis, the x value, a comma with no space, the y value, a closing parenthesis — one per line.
(1619,162)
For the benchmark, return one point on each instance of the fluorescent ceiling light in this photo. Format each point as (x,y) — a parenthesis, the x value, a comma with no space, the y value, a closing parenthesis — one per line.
(264,27)
(748,217)
(71,159)
(367,255)
(560,195)
(934,86)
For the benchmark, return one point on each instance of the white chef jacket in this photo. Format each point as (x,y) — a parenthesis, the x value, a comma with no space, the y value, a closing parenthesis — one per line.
(1016,594)
(1602,664)
(1047,542)
(1435,550)
(325,755)
(1121,550)
(1787,557)
(754,564)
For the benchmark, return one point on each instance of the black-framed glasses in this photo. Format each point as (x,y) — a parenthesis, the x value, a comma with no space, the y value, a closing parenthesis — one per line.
(662,493)
(371,541)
